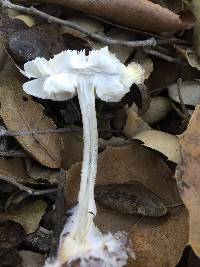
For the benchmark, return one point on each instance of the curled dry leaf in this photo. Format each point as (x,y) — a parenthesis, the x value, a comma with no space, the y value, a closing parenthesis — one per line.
(190,91)
(43,174)
(134,124)
(165,143)
(12,13)
(28,20)
(29,216)
(159,108)
(119,165)
(192,58)
(131,198)
(20,112)
(188,176)
(140,14)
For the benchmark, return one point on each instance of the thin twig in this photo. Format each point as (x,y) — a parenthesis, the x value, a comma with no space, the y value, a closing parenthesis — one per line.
(13,153)
(27,189)
(163,40)
(47,131)
(95,36)
(163,56)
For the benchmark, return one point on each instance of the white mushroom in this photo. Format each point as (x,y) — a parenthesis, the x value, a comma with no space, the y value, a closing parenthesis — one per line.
(102,74)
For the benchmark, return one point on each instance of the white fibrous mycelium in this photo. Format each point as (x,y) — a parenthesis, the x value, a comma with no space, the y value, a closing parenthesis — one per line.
(98,74)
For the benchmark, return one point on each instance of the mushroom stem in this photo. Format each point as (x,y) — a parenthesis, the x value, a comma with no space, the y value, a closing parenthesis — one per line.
(86,208)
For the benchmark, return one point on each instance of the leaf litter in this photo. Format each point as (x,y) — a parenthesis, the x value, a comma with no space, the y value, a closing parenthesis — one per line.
(145,140)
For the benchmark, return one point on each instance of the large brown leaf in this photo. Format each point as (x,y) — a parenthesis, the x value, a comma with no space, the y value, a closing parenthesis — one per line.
(188,176)
(118,165)
(140,14)
(14,168)
(156,242)
(19,112)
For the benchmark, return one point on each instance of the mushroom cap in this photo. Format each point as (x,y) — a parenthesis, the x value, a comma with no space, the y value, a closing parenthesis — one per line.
(59,77)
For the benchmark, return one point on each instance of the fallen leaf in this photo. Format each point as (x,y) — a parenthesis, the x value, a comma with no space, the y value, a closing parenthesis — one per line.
(188,176)
(159,108)
(88,24)
(140,14)
(175,6)
(24,43)
(192,58)
(131,198)
(29,216)
(28,20)
(119,165)
(161,242)
(19,112)
(156,242)
(163,75)
(31,259)
(113,141)
(195,7)
(10,257)
(190,92)
(42,174)
(14,168)
(72,149)
(165,143)
(3,54)
(134,124)
(11,234)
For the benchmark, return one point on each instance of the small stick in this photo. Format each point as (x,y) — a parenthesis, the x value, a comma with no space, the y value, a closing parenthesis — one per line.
(27,189)
(95,36)
(13,153)
(163,56)
(46,131)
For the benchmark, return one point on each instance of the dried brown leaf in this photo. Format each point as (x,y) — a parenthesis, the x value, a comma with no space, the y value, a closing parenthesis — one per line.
(140,14)
(188,176)
(131,198)
(121,165)
(15,168)
(134,124)
(20,112)
(72,149)
(165,143)
(159,107)
(29,216)
(195,7)
(156,242)
(160,243)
